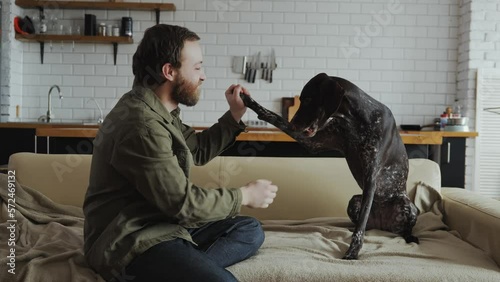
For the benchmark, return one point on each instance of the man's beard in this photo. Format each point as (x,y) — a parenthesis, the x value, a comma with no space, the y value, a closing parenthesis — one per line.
(185,93)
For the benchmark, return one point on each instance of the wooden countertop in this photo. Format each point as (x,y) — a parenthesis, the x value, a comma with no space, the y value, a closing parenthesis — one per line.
(66,132)
(36,125)
(253,134)
(408,137)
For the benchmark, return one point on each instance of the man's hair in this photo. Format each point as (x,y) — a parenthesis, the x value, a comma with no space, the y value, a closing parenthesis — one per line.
(161,44)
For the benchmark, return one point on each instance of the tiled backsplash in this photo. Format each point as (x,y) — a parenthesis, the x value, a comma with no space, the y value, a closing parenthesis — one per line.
(402,53)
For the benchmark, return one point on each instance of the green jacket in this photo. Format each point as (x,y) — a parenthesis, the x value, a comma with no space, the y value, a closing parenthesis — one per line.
(139,191)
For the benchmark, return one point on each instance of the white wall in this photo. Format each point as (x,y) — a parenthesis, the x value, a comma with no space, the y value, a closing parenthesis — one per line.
(402,53)
(479,47)
(11,64)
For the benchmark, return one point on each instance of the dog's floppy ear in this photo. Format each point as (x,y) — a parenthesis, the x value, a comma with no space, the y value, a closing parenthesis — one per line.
(332,92)
(319,78)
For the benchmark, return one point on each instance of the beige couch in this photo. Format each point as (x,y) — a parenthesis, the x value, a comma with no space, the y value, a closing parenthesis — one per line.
(306,227)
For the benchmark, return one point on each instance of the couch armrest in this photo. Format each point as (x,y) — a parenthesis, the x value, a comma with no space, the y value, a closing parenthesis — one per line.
(475,217)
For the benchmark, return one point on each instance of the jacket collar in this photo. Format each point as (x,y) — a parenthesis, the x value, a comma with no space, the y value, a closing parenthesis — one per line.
(149,97)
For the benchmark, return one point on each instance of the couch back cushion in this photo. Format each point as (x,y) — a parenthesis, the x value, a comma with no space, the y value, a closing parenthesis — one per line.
(308,187)
(62,178)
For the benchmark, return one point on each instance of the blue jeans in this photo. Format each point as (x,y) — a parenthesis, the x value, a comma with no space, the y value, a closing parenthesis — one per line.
(220,244)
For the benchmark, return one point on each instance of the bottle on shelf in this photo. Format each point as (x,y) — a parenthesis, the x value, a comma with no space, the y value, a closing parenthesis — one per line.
(127,26)
(43,23)
(457,109)
(18,114)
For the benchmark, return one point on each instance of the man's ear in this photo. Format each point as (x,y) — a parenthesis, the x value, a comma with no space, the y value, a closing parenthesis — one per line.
(332,93)
(168,71)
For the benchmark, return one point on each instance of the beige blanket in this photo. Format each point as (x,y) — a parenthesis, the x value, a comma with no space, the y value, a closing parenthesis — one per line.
(48,236)
(49,244)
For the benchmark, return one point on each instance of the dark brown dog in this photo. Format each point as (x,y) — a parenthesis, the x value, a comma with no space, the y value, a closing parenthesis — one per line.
(335,114)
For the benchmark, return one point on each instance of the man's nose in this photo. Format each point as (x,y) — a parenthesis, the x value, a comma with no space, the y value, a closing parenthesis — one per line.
(203,76)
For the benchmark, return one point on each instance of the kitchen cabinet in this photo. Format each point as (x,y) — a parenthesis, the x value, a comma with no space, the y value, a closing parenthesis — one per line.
(450,155)
(20,137)
(114,40)
(449,152)
(446,148)
(293,149)
(15,140)
(452,162)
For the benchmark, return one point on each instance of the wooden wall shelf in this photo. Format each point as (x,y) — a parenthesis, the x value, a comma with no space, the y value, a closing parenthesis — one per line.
(102,5)
(95,5)
(74,38)
(42,38)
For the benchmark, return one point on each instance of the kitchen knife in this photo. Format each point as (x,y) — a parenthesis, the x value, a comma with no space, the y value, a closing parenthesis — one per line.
(255,67)
(248,68)
(272,66)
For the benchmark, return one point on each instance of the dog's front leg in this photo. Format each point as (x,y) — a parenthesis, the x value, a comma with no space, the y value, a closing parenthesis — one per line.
(268,116)
(359,230)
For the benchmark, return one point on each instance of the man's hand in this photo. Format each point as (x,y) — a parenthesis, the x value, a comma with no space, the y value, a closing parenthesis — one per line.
(258,194)
(236,105)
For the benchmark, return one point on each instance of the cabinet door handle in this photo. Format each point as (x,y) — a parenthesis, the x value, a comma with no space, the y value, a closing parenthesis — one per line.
(448,152)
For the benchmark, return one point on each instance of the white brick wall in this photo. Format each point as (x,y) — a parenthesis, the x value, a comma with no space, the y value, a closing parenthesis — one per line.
(478,47)
(395,50)
(12,67)
(415,56)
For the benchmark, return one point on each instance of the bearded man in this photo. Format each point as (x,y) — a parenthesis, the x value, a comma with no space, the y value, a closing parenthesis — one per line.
(144,219)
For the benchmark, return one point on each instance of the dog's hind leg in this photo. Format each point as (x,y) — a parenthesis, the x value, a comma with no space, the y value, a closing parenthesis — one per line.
(411,213)
(354,208)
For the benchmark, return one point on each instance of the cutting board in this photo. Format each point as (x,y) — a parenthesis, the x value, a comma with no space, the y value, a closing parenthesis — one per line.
(293,108)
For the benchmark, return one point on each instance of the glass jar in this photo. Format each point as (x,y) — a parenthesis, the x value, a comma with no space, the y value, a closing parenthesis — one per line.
(457,109)
(116,30)
(102,29)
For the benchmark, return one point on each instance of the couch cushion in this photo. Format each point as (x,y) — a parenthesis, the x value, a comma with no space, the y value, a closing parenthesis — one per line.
(423,170)
(62,178)
(475,217)
(308,187)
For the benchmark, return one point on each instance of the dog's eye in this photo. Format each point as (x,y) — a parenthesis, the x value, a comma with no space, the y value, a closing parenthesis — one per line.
(306,101)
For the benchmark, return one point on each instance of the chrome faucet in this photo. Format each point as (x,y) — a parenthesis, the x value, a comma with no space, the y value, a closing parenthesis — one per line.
(49,111)
(101,117)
